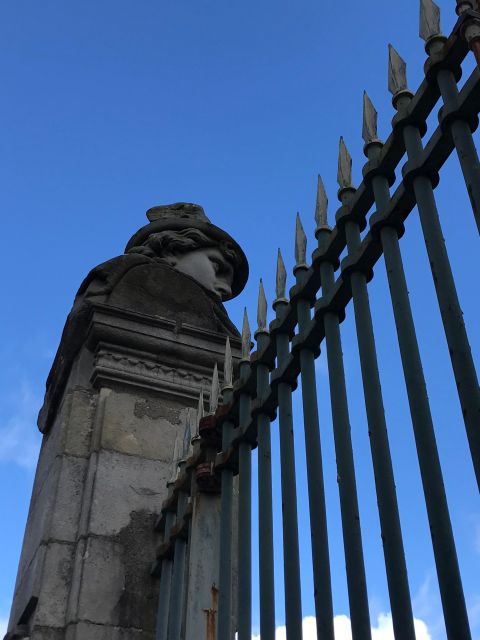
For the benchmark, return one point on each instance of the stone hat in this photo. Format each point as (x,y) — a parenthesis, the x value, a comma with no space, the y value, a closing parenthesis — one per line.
(186,215)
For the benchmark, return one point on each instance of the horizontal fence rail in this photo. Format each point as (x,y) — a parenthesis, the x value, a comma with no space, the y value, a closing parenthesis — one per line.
(221,447)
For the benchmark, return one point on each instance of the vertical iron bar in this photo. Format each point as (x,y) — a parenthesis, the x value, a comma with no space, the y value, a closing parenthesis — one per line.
(396,568)
(452,317)
(347,486)
(291,555)
(463,140)
(177,596)
(224,629)
(165,585)
(322,586)
(265,510)
(244,519)
(450,583)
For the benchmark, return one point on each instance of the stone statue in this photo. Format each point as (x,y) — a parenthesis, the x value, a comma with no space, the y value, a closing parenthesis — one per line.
(178,266)
(135,359)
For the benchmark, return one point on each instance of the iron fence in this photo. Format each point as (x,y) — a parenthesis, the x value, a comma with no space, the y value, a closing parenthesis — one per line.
(286,352)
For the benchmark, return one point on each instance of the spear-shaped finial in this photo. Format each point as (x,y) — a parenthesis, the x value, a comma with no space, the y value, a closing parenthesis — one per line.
(321,205)
(261,308)
(429,20)
(246,336)
(175,459)
(369,128)
(228,366)
(281,277)
(214,390)
(187,435)
(397,71)
(199,415)
(344,174)
(300,243)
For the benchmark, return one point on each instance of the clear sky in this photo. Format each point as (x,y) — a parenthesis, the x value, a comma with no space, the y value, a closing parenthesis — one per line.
(111,107)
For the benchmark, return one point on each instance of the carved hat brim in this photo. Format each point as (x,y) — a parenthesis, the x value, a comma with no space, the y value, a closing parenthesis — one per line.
(240,272)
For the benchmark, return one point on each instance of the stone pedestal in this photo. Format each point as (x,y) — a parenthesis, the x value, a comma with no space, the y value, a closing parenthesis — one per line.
(84,572)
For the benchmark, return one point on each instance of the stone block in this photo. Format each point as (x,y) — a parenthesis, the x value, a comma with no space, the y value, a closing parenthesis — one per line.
(55,509)
(89,631)
(78,431)
(55,584)
(47,633)
(125,484)
(102,582)
(142,425)
(68,499)
(27,585)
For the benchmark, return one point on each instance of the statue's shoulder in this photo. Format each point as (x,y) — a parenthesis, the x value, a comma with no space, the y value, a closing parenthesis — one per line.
(103,278)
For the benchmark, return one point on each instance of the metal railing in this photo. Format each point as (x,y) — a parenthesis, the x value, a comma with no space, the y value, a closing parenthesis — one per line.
(287,349)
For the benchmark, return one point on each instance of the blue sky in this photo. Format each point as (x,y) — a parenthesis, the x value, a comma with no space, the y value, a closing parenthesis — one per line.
(111,107)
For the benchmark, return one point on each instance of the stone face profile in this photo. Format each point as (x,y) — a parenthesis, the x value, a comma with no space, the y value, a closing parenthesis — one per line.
(138,349)
(178,266)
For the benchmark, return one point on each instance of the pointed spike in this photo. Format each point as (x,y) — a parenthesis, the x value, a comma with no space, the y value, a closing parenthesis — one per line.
(246,336)
(201,406)
(228,365)
(214,390)
(175,459)
(344,174)
(187,435)
(300,242)
(369,129)
(321,204)
(397,71)
(261,308)
(199,414)
(429,19)
(281,277)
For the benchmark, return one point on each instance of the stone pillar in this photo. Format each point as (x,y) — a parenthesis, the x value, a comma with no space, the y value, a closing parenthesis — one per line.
(140,343)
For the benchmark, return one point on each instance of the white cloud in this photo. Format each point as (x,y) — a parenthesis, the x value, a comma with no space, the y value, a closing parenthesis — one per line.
(3,626)
(343,630)
(18,434)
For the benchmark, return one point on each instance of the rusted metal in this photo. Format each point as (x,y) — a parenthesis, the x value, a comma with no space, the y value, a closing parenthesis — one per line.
(211,616)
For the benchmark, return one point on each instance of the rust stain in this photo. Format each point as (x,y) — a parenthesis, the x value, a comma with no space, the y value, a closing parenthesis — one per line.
(211,615)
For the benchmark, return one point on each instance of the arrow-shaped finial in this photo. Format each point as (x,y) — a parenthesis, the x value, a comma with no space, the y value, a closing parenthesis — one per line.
(175,459)
(321,204)
(200,413)
(281,277)
(228,365)
(246,336)
(429,19)
(187,436)
(214,390)
(262,308)
(397,71)
(300,242)
(369,128)
(344,174)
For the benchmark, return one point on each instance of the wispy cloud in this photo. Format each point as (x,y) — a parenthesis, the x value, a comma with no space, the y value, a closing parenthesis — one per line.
(383,630)
(3,626)
(18,432)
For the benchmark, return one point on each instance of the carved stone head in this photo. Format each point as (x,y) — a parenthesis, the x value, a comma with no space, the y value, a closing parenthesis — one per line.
(182,236)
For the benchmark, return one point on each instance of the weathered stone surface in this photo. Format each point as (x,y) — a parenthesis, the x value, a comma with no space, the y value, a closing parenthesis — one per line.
(139,345)
(89,631)
(103,581)
(47,633)
(142,426)
(125,485)
(56,577)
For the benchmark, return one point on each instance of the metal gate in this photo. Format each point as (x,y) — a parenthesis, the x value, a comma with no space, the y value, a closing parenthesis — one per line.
(310,316)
